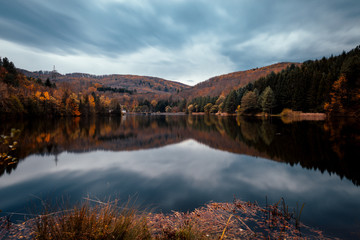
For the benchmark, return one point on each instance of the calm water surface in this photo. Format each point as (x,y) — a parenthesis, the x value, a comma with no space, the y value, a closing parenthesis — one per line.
(182,162)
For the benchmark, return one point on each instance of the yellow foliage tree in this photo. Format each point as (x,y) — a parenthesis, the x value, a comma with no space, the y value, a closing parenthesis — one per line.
(72,104)
(91,101)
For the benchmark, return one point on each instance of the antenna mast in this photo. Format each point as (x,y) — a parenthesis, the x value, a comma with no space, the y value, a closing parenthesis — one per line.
(53,74)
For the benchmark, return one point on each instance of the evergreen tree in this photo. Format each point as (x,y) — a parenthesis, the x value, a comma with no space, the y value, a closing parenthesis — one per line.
(9,66)
(48,83)
(351,70)
(11,80)
(267,101)
(117,110)
(38,81)
(230,102)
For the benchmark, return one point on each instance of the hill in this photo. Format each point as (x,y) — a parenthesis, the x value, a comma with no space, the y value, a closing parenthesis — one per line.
(223,84)
(133,83)
(151,86)
(328,85)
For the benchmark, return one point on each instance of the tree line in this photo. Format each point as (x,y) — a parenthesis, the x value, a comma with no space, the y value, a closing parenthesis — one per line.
(116,90)
(329,85)
(21,95)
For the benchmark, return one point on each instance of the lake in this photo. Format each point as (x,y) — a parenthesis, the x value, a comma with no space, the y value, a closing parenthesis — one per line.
(167,162)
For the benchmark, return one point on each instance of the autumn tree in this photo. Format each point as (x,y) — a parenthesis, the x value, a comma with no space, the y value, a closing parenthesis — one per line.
(15,105)
(338,97)
(168,109)
(249,102)
(220,100)
(190,108)
(72,105)
(207,108)
(214,109)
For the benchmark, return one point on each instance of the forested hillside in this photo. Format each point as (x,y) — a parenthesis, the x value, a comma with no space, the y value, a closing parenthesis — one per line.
(330,85)
(21,95)
(133,83)
(223,84)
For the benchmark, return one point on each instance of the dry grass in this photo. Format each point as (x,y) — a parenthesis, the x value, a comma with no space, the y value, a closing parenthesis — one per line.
(106,221)
(102,221)
(237,220)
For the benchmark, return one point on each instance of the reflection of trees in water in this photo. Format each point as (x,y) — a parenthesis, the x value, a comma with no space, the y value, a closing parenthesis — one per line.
(267,132)
(329,146)
(249,131)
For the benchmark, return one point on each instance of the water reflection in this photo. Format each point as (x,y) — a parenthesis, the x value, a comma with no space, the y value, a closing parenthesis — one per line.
(328,146)
(182,162)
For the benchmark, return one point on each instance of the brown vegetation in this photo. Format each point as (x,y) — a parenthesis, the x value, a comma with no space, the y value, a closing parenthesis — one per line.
(143,87)
(237,220)
(289,116)
(222,85)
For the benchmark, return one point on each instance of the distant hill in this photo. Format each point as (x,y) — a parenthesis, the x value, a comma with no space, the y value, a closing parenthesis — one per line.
(328,85)
(222,85)
(150,86)
(139,84)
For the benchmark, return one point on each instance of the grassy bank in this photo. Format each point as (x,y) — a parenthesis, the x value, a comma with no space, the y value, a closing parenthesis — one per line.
(237,220)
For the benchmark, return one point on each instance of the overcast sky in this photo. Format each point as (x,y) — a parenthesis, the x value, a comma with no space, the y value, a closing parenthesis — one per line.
(187,41)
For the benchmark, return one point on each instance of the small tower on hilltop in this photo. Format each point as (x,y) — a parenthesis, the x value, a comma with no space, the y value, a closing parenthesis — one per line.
(53,74)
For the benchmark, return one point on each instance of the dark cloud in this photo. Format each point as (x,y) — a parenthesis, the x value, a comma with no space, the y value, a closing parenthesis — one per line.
(246,33)
(295,31)
(103,27)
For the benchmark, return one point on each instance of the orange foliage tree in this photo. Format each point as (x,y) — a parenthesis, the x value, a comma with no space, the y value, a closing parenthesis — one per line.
(338,97)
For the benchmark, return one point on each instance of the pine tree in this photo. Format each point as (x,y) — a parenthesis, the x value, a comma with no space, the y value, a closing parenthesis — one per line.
(48,83)
(267,101)
(230,102)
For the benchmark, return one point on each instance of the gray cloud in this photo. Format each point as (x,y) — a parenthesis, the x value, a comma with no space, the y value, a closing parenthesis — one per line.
(240,34)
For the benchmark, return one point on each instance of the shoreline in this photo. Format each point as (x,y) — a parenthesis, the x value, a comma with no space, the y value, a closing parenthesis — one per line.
(291,116)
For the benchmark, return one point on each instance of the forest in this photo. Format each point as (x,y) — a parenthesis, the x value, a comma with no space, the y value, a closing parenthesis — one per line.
(329,85)
(21,95)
